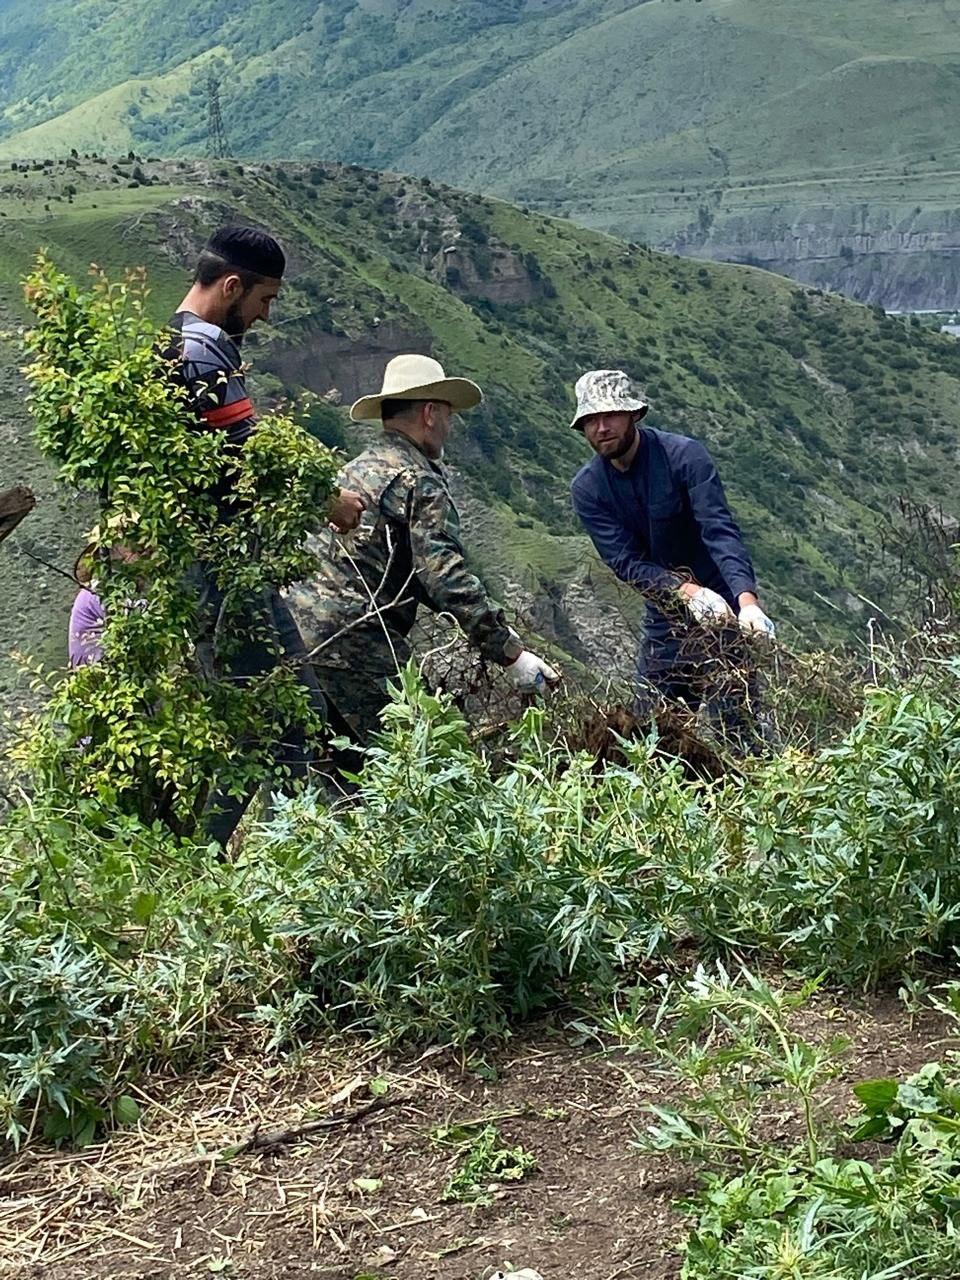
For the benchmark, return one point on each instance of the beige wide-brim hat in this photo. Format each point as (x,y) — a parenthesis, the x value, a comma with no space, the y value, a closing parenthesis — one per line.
(417,378)
(607,391)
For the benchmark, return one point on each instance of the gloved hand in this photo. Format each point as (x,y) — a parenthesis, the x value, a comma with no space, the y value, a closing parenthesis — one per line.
(752,618)
(707,607)
(532,674)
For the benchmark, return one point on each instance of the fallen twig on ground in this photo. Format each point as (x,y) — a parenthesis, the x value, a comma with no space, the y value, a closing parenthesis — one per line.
(280,1137)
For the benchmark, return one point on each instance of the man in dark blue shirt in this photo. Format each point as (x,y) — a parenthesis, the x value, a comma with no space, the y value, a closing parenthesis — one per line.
(653,505)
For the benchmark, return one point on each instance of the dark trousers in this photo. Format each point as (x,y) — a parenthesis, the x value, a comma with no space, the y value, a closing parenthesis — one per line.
(359,696)
(355,700)
(702,667)
(258,639)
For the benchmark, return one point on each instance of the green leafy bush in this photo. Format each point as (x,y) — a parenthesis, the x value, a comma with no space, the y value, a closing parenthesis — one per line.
(897,1216)
(120,948)
(859,875)
(453,899)
(457,896)
(460,891)
(836,1219)
(780,1198)
(147,730)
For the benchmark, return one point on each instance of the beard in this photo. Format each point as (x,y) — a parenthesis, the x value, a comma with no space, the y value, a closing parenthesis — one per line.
(233,324)
(623,449)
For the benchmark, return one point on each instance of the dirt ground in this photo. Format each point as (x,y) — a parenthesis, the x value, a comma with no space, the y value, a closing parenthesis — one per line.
(153,1202)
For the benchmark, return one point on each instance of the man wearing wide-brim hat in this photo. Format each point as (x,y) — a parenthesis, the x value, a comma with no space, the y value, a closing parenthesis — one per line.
(655,508)
(357,614)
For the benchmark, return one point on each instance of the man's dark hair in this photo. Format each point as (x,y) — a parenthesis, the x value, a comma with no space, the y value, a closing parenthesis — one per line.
(251,254)
(390,409)
(211,268)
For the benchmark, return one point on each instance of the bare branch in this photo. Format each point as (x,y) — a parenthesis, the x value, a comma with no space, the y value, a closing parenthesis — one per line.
(350,626)
(270,1141)
(54,568)
(376,612)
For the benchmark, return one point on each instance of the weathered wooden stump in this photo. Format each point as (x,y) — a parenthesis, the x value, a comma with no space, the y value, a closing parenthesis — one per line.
(15,503)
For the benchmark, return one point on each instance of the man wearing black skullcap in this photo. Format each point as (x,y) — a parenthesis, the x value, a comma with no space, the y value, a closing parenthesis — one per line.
(237,278)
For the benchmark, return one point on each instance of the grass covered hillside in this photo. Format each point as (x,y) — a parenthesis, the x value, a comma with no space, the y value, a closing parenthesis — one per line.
(820,412)
(794,131)
(527,942)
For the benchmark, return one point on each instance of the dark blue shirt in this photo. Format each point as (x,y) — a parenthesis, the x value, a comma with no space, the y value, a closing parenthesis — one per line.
(665,521)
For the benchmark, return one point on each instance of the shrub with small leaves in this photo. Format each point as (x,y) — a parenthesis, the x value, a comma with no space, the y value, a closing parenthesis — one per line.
(148,730)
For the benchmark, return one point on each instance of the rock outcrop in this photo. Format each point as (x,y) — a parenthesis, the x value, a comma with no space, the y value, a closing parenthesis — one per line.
(903,260)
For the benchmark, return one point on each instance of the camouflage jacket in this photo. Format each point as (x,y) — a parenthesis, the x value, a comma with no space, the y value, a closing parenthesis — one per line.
(406,553)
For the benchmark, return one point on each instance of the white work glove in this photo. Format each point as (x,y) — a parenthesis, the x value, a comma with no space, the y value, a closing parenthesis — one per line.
(752,618)
(708,608)
(532,674)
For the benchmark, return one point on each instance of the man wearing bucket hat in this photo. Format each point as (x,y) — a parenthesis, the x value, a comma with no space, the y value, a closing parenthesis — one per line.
(653,505)
(356,616)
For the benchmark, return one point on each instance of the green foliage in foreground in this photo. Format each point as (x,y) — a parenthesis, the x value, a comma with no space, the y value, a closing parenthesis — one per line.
(774,1211)
(834,1220)
(459,896)
(147,729)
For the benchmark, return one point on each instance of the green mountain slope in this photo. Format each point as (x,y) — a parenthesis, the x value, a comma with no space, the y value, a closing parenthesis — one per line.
(799,132)
(819,411)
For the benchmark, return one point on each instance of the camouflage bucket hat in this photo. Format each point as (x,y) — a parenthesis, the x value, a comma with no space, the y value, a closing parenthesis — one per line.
(607,391)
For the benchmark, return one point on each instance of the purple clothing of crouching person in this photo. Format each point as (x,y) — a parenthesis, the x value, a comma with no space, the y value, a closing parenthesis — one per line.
(87,618)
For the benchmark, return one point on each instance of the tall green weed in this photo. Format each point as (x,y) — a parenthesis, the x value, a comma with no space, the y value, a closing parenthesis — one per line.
(120,948)
(856,870)
(456,895)
(453,897)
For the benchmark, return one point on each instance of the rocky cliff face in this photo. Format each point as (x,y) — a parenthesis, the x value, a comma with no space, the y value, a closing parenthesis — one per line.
(905,260)
(338,366)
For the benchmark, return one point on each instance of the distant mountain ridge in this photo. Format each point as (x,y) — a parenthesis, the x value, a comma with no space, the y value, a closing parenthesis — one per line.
(820,412)
(811,136)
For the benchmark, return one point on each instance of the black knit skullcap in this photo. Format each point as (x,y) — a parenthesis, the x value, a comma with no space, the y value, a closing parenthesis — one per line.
(249,249)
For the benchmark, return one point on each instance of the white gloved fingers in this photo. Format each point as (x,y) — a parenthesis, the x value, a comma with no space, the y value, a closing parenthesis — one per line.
(753,619)
(707,607)
(532,673)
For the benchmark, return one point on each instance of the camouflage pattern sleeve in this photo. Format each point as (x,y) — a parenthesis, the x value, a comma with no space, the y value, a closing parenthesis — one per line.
(447,584)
